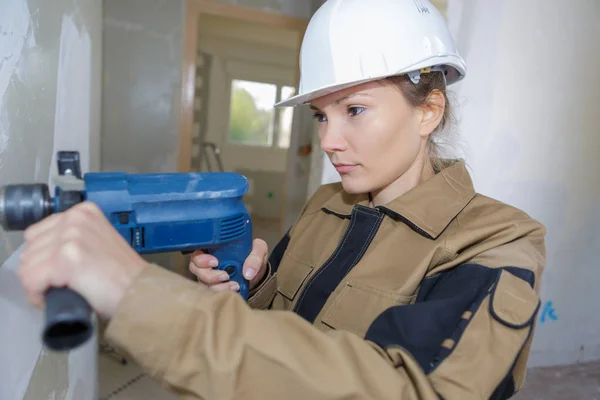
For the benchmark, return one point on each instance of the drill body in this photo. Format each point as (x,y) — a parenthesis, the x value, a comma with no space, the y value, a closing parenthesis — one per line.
(178,212)
(154,213)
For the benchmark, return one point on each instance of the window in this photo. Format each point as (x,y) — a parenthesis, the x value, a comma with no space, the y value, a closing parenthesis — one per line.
(253,120)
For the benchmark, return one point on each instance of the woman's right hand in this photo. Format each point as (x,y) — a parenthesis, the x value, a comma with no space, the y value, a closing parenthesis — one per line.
(203,267)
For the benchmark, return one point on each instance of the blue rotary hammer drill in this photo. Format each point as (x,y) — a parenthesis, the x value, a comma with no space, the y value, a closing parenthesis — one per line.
(153,212)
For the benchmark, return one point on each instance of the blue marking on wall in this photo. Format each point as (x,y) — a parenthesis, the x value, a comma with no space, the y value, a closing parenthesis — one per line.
(548,313)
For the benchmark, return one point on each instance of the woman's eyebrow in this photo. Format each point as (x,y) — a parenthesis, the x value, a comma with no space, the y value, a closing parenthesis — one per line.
(338,101)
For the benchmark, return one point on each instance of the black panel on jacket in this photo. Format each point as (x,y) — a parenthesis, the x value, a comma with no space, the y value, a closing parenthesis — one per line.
(525,274)
(278,251)
(421,328)
(364,223)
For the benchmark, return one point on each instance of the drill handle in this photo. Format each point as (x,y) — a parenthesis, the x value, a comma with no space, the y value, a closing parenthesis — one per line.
(231,260)
(68,320)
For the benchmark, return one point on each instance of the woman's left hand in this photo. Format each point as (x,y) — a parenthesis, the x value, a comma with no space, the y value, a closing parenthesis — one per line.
(79,249)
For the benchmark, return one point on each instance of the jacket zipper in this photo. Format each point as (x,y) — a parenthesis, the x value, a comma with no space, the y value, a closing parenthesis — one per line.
(406,221)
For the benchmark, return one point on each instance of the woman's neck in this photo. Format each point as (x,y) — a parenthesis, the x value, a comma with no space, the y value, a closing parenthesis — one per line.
(419,171)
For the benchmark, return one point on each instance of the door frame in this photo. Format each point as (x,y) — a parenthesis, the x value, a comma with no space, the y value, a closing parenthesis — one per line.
(194,10)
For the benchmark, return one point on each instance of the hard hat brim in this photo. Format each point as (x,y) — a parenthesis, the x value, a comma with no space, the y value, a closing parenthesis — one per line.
(457,72)
(302,99)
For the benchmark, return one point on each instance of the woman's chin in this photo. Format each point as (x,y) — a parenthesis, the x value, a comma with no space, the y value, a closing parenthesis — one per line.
(355,186)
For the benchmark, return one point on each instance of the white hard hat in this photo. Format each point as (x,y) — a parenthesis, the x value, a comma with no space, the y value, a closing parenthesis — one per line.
(349,42)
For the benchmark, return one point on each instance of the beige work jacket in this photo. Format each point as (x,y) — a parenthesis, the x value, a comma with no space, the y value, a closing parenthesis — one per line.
(434,295)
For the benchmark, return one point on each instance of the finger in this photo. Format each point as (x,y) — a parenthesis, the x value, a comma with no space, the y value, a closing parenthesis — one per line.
(39,250)
(41,227)
(36,299)
(89,207)
(225,287)
(205,261)
(209,276)
(35,247)
(196,253)
(256,259)
(73,225)
(37,279)
(31,263)
(60,233)
(36,255)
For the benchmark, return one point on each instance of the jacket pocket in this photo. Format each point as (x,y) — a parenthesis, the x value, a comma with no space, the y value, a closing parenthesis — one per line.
(357,305)
(513,302)
(291,278)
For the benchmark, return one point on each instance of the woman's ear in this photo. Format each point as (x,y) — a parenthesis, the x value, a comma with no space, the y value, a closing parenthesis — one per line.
(432,112)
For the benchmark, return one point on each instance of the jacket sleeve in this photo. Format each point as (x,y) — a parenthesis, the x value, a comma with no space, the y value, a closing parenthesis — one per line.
(459,340)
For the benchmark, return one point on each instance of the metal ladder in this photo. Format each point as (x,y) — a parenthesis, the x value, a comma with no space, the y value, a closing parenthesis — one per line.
(209,148)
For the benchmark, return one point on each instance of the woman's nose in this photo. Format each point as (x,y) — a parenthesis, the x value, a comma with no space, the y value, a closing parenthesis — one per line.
(333,140)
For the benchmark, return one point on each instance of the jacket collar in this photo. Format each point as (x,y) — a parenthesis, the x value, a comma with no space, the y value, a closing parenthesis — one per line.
(428,208)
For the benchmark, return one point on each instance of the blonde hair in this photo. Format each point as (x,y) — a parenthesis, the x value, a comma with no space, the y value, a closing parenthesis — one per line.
(417,95)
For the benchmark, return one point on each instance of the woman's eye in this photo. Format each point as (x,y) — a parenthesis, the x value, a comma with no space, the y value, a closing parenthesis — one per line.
(354,111)
(319,117)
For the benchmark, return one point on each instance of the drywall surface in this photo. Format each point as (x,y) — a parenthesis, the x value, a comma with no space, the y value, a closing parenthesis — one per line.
(50,60)
(530,133)
(27,370)
(143,53)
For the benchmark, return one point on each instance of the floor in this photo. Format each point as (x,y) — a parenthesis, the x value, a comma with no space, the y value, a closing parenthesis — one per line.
(576,382)
(573,382)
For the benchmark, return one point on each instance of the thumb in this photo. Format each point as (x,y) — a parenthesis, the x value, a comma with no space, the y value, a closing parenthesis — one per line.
(256,259)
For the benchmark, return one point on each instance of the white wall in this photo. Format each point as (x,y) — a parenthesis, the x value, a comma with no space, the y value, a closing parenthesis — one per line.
(142,69)
(529,123)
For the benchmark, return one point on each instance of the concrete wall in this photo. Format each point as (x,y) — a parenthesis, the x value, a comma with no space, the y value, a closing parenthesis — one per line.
(531,137)
(50,72)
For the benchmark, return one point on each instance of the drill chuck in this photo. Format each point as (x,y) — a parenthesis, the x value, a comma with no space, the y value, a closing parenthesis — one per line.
(24,205)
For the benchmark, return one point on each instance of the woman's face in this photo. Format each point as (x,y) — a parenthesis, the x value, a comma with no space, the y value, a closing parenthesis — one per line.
(373,137)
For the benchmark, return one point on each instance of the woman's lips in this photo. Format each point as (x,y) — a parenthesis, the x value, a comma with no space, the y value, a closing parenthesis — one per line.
(344,168)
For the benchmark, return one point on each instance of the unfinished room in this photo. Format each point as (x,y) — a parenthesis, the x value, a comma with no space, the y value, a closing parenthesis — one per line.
(299,199)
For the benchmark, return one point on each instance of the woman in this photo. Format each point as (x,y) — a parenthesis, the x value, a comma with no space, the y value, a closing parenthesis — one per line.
(400,282)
